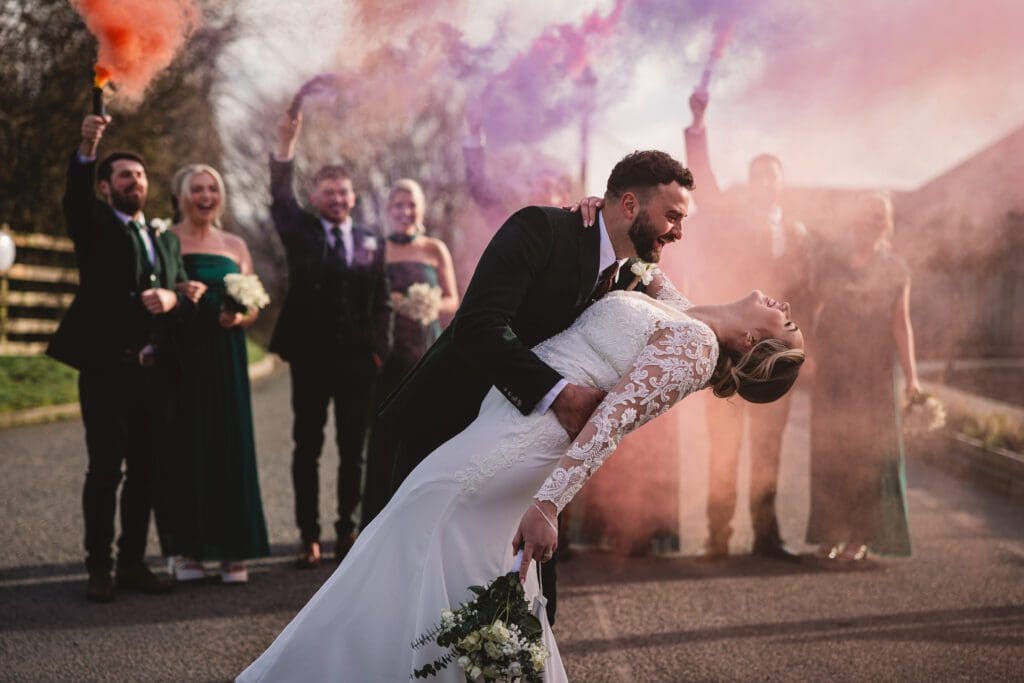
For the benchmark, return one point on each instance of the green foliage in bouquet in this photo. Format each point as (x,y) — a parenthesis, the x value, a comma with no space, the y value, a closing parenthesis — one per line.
(494,637)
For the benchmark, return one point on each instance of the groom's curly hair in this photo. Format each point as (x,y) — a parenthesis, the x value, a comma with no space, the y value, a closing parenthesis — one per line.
(644,170)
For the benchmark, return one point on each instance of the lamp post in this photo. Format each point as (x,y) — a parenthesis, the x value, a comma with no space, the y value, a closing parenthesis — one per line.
(588,86)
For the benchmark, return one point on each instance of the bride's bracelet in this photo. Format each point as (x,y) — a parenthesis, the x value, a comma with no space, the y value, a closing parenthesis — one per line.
(546,518)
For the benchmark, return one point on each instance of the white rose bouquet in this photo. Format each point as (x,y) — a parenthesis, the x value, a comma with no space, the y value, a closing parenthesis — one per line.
(421,302)
(923,413)
(495,637)
(244,293)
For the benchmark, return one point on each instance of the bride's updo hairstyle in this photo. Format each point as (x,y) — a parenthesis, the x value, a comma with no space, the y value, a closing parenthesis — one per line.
(760,375)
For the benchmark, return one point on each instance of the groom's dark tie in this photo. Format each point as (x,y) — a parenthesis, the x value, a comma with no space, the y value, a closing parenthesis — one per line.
(605,282)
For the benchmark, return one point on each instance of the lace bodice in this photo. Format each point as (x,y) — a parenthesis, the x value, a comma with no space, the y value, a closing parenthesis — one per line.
(599,350)
(647,354)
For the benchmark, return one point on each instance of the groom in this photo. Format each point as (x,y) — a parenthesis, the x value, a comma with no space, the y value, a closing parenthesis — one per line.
(543,267)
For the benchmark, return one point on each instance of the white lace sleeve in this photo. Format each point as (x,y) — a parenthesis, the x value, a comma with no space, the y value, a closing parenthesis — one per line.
(662,289)
(678,360)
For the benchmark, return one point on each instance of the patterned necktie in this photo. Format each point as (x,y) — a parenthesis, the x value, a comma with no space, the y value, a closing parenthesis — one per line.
(139,229)
(605,282)
(339,244)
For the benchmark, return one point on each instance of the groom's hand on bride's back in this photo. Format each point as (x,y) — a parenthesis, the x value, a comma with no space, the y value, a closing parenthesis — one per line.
(574,406)
(588,207)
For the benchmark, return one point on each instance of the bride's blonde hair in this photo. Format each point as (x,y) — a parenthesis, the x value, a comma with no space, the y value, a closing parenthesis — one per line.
(762,374)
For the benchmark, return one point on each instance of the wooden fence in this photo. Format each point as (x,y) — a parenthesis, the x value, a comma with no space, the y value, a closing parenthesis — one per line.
(35,292)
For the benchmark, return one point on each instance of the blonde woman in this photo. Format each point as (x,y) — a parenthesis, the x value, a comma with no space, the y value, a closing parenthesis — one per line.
(862,333)
(418,261)
(212,485)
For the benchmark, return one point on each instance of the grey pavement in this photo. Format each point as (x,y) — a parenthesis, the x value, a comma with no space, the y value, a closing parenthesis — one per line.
(954,611)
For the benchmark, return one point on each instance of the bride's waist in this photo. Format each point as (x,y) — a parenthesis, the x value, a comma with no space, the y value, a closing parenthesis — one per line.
(584,367)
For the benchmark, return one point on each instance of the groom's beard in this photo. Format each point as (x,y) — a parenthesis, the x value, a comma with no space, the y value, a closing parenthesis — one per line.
(644,236)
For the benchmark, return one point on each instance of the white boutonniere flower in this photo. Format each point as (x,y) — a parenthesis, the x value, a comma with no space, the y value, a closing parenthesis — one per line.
(160,225)
(370,243)
(644,273)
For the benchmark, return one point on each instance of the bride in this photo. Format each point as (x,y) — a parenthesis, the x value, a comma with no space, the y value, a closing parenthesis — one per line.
(501,482)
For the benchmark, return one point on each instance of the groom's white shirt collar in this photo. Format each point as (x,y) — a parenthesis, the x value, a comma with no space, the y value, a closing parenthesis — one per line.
(606,254)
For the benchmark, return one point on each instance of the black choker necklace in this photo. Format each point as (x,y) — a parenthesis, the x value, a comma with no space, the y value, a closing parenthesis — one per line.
(402,238)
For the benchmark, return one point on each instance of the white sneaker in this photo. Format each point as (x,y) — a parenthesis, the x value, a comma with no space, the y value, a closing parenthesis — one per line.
(233,572)
(185,568)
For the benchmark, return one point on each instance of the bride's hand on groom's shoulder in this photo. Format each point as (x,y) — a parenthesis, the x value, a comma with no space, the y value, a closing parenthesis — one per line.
(574,406)
(588,207)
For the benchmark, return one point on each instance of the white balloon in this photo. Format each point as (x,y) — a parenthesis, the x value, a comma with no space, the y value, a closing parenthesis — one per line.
(7,251)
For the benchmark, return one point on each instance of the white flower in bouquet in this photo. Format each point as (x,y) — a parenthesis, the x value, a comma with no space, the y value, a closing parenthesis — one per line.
(643,272)
(421,302)
(245,293)
(924,413)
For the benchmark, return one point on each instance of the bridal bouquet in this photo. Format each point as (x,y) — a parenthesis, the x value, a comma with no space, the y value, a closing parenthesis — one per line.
(923,413)
(494,637)
(244,293)
(421,303)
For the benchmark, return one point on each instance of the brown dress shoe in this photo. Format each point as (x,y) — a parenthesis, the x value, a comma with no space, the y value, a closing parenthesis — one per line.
(343,545)
(309,555)
(139,577)
(100,588)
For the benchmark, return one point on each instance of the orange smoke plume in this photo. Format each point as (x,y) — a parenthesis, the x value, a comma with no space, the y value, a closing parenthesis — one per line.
(137,39)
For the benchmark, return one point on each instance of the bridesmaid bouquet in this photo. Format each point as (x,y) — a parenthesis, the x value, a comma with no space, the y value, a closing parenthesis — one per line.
(923,413)
(244,293)
(494,637)
(421,302)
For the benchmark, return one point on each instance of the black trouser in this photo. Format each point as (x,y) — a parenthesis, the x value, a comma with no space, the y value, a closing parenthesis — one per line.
(348,380)
(127,412)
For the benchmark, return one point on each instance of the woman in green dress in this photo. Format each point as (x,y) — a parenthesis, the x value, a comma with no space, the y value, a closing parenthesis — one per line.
(213,487)
(862,333)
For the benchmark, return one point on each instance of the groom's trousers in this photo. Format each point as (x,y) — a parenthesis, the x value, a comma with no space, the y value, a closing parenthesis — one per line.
(348,380)
(127,411)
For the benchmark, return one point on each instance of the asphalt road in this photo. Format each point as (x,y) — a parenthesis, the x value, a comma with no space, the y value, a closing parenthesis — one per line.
(954,611)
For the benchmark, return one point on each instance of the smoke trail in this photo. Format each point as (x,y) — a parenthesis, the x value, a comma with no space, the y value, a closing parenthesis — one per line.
(137,38)
(539,91)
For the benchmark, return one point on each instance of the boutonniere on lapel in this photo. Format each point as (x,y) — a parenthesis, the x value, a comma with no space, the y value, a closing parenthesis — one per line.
(160,225)
(370,243)
(643,273)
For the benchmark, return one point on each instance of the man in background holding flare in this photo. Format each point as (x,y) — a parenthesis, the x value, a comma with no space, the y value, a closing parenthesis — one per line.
(119,334)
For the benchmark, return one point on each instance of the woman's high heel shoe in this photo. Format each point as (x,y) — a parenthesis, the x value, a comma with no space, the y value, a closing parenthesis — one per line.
(853,552)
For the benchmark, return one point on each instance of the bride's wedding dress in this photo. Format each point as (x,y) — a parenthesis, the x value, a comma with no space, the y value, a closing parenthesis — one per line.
(452,522)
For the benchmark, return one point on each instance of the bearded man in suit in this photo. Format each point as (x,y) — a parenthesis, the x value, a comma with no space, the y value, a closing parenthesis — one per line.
(119,332)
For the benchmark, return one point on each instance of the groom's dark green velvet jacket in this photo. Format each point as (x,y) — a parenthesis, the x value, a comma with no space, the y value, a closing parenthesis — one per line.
(533,280)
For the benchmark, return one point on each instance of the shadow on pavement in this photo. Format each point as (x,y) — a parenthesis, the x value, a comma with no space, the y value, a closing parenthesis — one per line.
(1000,625)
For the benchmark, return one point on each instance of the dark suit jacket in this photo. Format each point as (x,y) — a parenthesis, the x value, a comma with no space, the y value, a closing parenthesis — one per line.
(731,252)
(107,317)
(533,280)
(360,296)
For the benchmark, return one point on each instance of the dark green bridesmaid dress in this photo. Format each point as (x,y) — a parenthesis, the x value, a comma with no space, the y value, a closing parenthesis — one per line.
(214,489)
